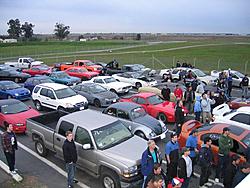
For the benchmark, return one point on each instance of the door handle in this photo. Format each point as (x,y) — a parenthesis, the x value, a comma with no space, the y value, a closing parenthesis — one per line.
(58,139)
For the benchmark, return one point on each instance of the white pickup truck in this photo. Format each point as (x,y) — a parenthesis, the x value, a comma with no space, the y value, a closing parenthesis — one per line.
(23,63)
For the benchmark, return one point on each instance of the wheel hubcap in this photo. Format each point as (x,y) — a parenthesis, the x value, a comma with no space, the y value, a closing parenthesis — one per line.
(108,182)
(162,118)
(38,106)
(39,148)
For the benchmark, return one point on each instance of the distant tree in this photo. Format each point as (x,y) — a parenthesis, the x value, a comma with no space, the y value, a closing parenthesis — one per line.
(14,30)
(138,36)
(61,31)
(27,29)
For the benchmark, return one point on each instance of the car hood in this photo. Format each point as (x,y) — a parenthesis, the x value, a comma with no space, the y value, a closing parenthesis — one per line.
(106,95)
(221,110)
(74,99)
(126,152)
(118,84)
(207,78)
(150,122)
(21,117)
(91,73)
(18,90)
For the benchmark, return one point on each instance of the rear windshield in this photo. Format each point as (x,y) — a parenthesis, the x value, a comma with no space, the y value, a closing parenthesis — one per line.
(246,140)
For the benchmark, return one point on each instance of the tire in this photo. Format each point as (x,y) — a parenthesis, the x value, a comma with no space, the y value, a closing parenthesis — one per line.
(110,179)
(175,80)
(61,108)
(114,91)
(138,85)
(141,134)
(97,103)
(16,80)
(9,97)
(162,117)
(38,105)
(40,148)
(163,76)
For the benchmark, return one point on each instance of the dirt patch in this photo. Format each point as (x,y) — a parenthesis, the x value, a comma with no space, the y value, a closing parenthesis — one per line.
(28,182)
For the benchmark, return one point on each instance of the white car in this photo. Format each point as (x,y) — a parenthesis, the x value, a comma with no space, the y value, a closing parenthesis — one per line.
(111,84)
(58,97)
(237,76)
(136,79)
(239,117)
(197,73)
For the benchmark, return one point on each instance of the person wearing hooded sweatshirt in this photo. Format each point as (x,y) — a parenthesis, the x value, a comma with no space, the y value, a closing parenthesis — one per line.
(241,174)
(197,108)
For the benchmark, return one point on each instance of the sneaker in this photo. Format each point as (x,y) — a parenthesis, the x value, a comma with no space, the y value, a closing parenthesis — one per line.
(208,184)
(16,169)
(13,172)
(203,186)
(217,180)
(75,181)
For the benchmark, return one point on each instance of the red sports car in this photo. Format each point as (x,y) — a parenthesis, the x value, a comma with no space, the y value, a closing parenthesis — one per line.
(81,72)
(239,102)
(38,70)
(15,112)
(240,136)
(155,106)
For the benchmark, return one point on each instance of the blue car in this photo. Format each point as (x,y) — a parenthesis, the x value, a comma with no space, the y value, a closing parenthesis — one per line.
(9,89)
(62,77)
(30,83)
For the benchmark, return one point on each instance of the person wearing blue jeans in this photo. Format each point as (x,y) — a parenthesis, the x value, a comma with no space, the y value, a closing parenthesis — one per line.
(70,157)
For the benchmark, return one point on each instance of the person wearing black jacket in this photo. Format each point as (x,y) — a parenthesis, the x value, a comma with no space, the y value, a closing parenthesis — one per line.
(156,171)
(70,157)
(189,97)
(179,117)
(230,171)
(185,167)
(165,92)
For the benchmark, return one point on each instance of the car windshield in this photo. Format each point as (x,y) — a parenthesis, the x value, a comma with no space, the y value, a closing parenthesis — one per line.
(89,63)
(239,74)
(43,68)
(155,99)
(138,112)
(110,80)
(111,135)
(14,108)
(135,74)
(199,73)
(246,140)
(97,89)
(46,81)
(11,85)
(62,75)
(135,68)
(65,92)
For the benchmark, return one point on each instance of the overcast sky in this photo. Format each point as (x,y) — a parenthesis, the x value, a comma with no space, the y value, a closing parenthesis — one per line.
(164,16)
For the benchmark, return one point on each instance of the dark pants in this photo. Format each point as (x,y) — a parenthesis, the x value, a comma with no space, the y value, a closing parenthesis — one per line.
(185,183)
(10,160)
(198,116)
(205,173)
(189,106)
(172,170)
(178,129)
(222,163)
(71,168)
(193,163)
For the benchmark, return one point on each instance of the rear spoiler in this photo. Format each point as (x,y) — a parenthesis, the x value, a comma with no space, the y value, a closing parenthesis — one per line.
(190,125)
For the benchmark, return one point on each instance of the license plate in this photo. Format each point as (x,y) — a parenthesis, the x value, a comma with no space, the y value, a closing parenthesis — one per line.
(163,136)
(82,108)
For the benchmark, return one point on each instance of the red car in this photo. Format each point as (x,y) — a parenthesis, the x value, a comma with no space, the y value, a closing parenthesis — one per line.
(240,136)
(155,106)
(239,102)
(15,112)
(38,70)
(81,72)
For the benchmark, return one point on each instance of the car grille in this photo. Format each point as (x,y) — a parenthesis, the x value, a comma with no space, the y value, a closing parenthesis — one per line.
(80,104)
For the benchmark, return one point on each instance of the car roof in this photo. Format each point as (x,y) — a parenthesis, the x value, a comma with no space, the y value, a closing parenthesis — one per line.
(87,118)
(8,101)
(87,84)
(6,82)
(103,77)
(53,86)
(244,109)
(38,77)
(124,106)
(84,60)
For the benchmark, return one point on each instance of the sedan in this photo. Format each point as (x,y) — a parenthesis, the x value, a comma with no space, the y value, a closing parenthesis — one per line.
(62,77)
(16,113)
(240,136)
(239,117)
(11,73)
(81,73)
(30,83)
(155,106)
(96,94)
(38,70)
(9,89)
(144,125)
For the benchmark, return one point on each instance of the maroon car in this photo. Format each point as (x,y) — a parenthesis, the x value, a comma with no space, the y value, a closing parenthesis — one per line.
(38,70)
(239,102)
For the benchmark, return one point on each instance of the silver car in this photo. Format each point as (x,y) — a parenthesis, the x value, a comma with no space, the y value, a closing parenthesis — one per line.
(96,94)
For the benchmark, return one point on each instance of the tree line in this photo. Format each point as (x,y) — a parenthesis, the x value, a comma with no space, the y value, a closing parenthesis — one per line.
(17,30)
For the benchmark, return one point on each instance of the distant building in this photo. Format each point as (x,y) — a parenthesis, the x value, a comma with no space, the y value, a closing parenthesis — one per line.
(10,41)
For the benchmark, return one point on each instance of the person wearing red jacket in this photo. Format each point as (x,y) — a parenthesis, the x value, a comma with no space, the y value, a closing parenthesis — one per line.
(178,92)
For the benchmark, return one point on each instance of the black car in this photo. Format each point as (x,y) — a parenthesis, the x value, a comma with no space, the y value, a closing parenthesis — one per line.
(13,74)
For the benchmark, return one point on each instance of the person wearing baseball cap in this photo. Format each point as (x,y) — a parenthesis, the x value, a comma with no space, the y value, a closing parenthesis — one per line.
(225,145)
(176,183)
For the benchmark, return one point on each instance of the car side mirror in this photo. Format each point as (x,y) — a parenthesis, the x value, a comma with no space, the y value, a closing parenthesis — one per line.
(86,146)
(117,80)
(130,127)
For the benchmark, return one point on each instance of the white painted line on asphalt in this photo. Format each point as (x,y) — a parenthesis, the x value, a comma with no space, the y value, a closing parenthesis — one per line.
(198,175)
(5,167)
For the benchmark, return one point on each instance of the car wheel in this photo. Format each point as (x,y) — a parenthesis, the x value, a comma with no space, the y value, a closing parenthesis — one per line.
(175,80)
(38,105)
(141,134)
(114,91)
(97,103)
(40,148)
(163,76)
(138,85)
(60,108)
(163,117)
(110,179)
(9,97)
(16,80)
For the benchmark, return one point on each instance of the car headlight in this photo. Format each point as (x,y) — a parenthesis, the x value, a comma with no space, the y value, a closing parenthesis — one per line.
(95,68)
(16,94)
(164,127)
(68,105)
(131,171)
(152,134)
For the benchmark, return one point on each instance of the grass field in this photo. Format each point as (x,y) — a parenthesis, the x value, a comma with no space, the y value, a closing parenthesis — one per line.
(214,55)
